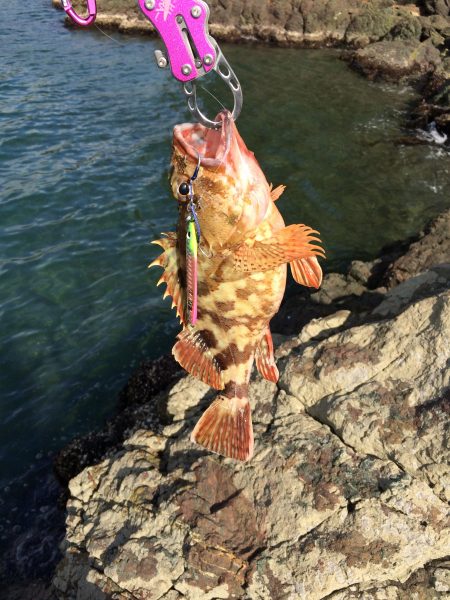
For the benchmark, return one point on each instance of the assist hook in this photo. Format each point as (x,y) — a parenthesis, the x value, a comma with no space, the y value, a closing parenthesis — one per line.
(83,21)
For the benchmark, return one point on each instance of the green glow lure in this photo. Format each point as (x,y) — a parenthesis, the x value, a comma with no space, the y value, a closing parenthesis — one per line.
(192,269)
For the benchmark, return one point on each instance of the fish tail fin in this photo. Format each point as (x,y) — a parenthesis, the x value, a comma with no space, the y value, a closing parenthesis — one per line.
(226,428)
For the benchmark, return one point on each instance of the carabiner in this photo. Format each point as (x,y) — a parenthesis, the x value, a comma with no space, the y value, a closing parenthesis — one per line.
(191,51)
(84,22)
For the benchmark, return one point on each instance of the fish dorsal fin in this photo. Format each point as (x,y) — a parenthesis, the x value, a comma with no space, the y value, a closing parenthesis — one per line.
(287,245)
(277,192)
(307,271)
(194,355)
(265,361)
(168,260)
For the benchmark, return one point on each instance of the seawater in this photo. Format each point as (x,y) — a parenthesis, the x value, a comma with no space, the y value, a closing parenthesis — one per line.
(86,125)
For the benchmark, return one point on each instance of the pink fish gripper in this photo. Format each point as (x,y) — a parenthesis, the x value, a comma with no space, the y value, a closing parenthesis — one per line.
(191,51)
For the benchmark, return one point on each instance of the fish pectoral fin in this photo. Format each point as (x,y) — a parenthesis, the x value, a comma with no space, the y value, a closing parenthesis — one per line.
(168,260)
(289,244)
(307,271)
(264,358)
(226,428)
(277,192)
(194,355)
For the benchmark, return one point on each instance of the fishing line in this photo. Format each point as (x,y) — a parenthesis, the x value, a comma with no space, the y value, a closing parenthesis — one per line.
(108,36)
(213,96)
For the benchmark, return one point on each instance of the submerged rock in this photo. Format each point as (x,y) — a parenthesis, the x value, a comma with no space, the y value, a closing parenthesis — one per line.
(346,496)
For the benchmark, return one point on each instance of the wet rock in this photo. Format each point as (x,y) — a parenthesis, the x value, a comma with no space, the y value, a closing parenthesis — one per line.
(346,496)
(432,248)
(434,107)
(136,402)
(397,60)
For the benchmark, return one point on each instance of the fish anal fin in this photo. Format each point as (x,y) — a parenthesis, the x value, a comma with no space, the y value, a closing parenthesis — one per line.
(286,245)
(226,428)
(264,358)
(277,192)
(168,260)
(192,352)
(307,271)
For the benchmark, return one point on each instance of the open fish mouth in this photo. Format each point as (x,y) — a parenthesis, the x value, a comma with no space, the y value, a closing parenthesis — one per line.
(211,145)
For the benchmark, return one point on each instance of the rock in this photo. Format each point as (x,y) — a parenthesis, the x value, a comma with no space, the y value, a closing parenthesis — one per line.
(437,7)
(432,282)
(432,248)
(384,388)
(434,106)
(283,22)
(397,60)
(135,403)
(408,28)
(346,496)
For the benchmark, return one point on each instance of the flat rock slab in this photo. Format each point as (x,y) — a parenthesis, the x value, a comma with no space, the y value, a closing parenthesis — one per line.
(346,496)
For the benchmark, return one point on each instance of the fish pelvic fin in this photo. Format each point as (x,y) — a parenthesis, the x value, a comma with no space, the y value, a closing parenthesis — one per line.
(307,271)
(264,358)
(193,353)
(226,428)
(286,245)
(168,260)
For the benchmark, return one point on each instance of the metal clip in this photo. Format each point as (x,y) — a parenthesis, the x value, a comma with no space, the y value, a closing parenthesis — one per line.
(191,51)
(84,22)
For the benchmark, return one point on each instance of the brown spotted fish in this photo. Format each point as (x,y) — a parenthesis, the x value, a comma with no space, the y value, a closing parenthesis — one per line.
(244,249)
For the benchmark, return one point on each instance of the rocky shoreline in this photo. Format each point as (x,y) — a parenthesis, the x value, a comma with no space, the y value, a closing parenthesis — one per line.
(354,436)
(383,39)
(350,478)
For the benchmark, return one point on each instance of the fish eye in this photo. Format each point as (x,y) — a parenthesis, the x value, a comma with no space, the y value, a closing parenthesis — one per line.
(184,189)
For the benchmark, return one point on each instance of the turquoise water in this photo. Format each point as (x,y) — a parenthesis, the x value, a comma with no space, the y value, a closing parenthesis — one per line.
(85,143)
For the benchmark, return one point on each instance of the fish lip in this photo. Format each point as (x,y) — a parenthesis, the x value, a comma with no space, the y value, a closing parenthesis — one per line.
(212,145)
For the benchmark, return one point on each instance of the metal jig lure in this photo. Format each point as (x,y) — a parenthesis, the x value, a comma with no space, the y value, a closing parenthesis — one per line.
(193,236)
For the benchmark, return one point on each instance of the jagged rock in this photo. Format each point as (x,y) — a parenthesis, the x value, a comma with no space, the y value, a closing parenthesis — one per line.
(438,7)
(426,284)
(151,377)
(383,388)
(432,248)
(434,107)
(346,496)
(397,60)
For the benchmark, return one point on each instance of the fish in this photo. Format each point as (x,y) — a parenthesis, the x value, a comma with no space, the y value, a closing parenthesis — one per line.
(241,256)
